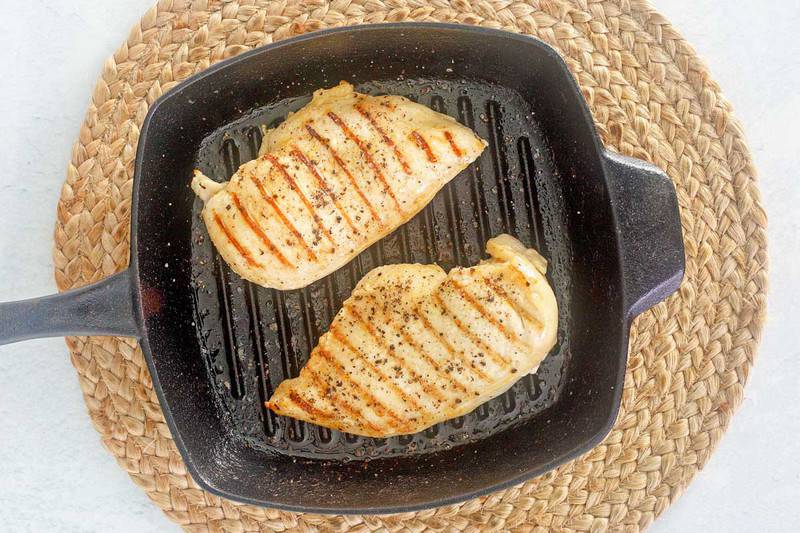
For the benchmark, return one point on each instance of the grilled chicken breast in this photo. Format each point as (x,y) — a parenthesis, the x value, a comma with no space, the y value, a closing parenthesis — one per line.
(414,346)
(341,173)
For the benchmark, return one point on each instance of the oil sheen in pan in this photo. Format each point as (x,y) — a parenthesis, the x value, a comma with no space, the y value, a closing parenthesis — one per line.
(253,337)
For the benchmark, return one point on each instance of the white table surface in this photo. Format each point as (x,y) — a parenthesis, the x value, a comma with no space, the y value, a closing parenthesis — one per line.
(56,476)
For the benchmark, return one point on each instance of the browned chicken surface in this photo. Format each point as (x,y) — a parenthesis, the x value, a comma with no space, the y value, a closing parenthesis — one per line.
(414,346)
(341,173)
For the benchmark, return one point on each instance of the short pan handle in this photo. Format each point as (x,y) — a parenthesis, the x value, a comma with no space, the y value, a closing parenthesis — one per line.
(102,308)
(651,240)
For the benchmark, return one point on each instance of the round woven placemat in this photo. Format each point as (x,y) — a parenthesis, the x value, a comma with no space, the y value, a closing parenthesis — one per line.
(651,98)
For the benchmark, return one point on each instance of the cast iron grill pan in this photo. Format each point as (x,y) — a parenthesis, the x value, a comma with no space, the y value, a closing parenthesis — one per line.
(217,346)
(253,338)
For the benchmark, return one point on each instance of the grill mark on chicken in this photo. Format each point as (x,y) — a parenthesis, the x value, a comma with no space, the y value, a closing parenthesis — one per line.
(324,142)
(367,155)
(401,362)
(501,292)
(257,230)
(449,347)
(453,145)
(236,244)
(286,222)
(496,357)
(328,392)
(386,139)
(314,412)
(300,156)
(470,298)
(408,339)
(420,141)
(386,380)
(390,418)
(293,184)
(526,281)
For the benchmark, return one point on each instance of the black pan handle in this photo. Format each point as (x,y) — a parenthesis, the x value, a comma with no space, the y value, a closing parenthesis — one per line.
(651,240)
(102,308)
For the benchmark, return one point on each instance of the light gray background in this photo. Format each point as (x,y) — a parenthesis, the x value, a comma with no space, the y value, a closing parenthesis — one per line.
(56,476)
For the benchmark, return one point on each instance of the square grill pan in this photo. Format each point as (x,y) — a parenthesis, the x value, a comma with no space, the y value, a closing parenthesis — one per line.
(217,346)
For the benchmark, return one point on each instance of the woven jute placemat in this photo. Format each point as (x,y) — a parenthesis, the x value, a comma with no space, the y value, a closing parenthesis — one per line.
(651,97)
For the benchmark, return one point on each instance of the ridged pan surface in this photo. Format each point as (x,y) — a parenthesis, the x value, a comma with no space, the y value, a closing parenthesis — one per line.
(253,338)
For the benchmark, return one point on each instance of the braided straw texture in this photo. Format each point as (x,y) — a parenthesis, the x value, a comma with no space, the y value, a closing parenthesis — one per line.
(651,98)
